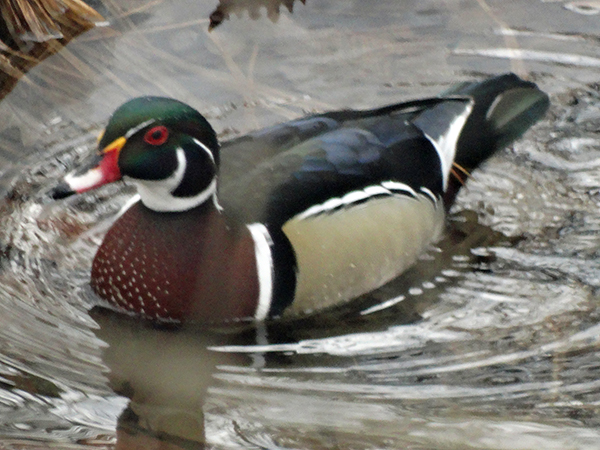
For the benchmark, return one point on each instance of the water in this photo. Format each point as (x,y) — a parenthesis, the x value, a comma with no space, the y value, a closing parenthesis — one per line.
(490,342)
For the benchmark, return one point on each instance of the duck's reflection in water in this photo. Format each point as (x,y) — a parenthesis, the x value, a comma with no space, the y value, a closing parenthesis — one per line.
(165,372)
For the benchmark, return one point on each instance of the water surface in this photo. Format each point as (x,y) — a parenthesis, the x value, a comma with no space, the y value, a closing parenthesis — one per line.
(491,342)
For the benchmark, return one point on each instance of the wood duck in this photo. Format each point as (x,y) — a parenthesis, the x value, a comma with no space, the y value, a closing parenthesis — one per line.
(296,217)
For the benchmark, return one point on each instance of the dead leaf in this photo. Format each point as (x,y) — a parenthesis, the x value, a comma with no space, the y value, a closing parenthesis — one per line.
(253,7)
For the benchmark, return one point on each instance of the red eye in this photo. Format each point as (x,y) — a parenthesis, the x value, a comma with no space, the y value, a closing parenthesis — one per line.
(156,135)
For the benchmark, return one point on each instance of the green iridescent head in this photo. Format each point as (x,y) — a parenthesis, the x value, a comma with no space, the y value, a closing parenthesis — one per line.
(153,128)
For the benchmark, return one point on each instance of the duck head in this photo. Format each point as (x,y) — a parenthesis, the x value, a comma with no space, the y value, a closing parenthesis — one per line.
(165,147)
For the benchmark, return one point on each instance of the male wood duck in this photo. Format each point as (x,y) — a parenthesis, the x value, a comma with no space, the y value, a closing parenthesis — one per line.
(296,217)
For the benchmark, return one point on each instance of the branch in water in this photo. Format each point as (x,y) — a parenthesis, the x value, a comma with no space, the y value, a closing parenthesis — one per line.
(227,7)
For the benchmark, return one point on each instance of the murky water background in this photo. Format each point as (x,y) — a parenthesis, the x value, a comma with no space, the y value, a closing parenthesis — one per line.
(491,342)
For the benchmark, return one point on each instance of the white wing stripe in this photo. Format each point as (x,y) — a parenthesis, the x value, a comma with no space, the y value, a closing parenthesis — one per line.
(397,186)
(430,194)
(385,188)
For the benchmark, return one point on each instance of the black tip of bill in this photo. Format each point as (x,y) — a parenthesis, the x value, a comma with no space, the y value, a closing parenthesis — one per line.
(62,190)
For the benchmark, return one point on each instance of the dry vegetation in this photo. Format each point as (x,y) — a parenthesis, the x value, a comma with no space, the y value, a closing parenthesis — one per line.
(31,30)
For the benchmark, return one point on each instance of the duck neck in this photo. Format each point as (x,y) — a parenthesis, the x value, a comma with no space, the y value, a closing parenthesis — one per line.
(193,183)
(159,197)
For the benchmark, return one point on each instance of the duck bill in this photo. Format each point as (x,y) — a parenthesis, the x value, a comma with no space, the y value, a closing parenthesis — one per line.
(103,169)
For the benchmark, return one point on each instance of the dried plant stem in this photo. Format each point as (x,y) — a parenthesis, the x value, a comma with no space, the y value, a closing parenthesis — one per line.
(31,30)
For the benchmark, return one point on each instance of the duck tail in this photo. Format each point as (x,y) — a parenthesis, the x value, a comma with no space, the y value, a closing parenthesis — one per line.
(504,108)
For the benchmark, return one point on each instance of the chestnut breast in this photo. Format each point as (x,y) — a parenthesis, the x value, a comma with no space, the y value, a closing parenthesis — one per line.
(177,266)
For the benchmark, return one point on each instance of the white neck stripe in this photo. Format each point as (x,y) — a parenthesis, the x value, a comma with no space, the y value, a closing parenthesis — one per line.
(264,268)
(158,194)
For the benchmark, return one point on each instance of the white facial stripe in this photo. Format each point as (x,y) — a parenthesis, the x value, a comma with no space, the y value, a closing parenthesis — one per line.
(157,194)
(264,265)
(385,188)
(206,149)
(180,171)
(88,180)
(137,128)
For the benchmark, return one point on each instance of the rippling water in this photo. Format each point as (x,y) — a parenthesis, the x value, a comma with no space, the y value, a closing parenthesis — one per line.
(491,342)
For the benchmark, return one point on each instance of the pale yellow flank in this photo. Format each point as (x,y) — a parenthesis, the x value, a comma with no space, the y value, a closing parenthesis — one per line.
(348,252)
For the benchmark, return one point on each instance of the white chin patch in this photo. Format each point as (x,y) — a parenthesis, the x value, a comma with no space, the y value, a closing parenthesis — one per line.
(81,183)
